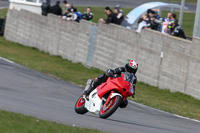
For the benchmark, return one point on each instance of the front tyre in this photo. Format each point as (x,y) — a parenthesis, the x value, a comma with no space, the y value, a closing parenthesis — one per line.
(111,107)
(80,106)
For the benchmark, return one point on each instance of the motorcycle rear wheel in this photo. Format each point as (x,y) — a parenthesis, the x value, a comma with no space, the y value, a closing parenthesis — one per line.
(108,110)
(80,106)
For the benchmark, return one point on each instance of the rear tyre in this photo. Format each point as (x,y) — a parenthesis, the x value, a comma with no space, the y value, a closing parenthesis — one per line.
(108,110)
(80,106)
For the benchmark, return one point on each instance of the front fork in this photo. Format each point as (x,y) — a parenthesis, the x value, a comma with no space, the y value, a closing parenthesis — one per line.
(112,94)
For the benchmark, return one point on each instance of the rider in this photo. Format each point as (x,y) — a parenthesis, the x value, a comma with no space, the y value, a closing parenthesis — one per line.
(130,66)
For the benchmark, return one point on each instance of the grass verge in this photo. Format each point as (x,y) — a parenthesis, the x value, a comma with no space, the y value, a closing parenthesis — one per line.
(3,12)
(18,123)
(176,103)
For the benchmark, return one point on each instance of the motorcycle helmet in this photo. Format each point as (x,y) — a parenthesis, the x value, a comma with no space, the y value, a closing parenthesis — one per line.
(131,66)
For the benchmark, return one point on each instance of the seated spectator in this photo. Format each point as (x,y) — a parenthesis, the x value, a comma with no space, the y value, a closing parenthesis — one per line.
(119,16)
(56,9)
(45,7)
(65,7)
(88,15)
(177,30)
(110,16)
(142,23)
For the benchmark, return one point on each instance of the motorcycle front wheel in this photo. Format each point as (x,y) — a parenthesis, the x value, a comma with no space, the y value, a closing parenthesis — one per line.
(80,106)
(111,107)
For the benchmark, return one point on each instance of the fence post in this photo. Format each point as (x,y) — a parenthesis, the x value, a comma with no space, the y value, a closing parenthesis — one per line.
(93,36)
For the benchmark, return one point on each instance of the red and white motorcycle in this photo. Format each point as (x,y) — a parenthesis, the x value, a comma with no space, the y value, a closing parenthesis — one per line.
(106,98)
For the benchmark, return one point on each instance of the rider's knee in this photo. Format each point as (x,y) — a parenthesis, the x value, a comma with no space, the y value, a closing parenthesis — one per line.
(102,78)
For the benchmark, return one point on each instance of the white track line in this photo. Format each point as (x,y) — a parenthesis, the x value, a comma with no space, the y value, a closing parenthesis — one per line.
(9,61)
(164,111)
(130,101)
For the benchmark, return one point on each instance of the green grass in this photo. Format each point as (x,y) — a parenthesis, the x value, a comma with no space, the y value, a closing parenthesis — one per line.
(3,12)
(177,103)
(18,123)
(34,59)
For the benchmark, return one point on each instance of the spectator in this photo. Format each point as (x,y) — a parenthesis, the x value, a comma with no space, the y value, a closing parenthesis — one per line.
(65,7)
(177,30)
(77,15)
(157,15)
(110,16)
(88,15)
(142,23)
(74,15)
(153,21)
(119,16)
(166,22)
(67,15)
(45,7)
(148,12)
(171,28)
(118,7)
(56,9)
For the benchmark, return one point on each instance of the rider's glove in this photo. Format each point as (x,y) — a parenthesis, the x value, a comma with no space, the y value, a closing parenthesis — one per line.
(119,70)
(110,73)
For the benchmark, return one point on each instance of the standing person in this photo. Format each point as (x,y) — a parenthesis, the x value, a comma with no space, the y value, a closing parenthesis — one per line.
(65,7)
(119,16)
(88,15)
(77,15)
(110,16)
(118,7)
(177,30)
(153,24)
(166,22)
(143,23)
(74,15)
(45,7)
(56,9)
(171,27)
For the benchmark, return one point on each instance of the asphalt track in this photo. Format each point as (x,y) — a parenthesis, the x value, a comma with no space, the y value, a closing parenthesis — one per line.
(32,93)
(103,3)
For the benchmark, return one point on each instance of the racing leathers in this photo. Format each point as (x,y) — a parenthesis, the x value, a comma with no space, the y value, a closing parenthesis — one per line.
(103,78)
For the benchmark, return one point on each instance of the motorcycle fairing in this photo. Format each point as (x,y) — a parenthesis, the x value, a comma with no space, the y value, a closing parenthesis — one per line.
(119,84)
(94,103)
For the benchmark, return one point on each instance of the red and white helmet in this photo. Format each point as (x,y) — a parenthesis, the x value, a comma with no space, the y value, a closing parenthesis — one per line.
(131,66)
